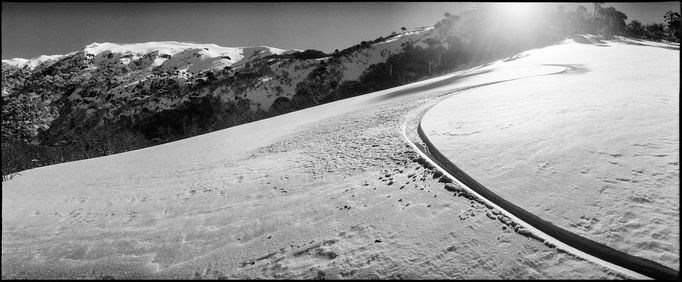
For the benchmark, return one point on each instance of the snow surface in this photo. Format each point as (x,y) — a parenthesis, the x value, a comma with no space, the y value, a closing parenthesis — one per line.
(301,195)
(33,62)
(172,48)
(594,150)
(192,57)
(198,56)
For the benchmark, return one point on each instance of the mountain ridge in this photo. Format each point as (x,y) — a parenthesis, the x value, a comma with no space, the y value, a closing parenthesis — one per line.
(139,49)
(162,91)
(110,82)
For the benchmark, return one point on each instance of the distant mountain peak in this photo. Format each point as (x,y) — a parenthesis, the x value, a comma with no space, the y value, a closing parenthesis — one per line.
(32,62)
(206,52)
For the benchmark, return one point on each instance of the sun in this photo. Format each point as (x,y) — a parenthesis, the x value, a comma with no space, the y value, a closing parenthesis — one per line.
(517,13)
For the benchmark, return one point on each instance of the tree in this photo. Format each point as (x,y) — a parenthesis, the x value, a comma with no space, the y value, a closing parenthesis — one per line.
(316,87)
(673,21)
(581,10)
(226,69)
(635,29)
(281,105)
(308,54)
(431,42)
(655,31)
(597,6)
(615,19)
(211,76)
(578,21)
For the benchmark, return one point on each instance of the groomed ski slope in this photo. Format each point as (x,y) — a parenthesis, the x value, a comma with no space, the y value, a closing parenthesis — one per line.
(595,152)
(297,196)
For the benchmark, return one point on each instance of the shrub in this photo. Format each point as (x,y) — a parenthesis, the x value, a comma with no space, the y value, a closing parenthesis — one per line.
(18,155)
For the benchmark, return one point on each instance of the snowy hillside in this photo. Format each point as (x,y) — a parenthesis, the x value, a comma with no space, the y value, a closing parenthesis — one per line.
(183,57)
(172,90)
(109,83)
(326,192)
(33,62)
(356,64)
(174,55)
(595,151)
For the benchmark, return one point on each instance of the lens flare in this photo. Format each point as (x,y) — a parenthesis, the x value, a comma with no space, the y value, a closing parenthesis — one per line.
(517,14)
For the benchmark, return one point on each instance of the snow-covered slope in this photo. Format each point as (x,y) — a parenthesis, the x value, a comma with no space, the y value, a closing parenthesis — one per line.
(33,62)
(292,196)
(191,57)
(357,63)
(595,151)
(197,56)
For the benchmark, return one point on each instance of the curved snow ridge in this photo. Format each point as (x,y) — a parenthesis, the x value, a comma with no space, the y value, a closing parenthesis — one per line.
(425,153)
(539,228)
(550,231)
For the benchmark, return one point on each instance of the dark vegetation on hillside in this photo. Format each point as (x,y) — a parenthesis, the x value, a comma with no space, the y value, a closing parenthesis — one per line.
(305,55)
(29,124)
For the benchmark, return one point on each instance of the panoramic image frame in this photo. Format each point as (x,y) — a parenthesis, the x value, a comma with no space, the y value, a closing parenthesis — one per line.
(340,140)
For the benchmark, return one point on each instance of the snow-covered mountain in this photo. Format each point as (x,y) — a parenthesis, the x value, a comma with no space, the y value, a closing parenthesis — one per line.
(33,62)
(108,82)
(175,86)
(191,57)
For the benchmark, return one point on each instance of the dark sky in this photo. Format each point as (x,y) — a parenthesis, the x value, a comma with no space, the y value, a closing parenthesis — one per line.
(33,29)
